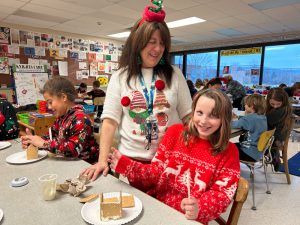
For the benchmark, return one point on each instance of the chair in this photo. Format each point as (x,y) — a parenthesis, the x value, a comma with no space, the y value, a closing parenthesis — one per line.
(264,145)
(236,208)
(283,149)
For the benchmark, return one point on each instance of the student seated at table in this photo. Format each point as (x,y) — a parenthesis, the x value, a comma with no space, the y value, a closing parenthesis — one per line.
(81,91)
(214,83)
(254,123)
(279,116)
(96,91)
(72,131)
(9,128)
(198,155)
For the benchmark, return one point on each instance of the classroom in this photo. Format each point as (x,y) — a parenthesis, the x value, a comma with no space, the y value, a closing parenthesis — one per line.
(107,106)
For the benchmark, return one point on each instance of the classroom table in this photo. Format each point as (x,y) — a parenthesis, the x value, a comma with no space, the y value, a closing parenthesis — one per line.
(24,205)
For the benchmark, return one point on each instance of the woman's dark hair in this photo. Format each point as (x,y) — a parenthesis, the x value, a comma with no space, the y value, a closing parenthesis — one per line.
(138,39)
(58,86)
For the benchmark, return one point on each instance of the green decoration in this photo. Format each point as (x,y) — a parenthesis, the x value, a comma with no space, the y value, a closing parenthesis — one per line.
(158,4)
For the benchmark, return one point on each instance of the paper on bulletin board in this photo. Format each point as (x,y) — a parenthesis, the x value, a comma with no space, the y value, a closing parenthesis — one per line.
(108,67)
(40,51)
(12,61)
(82,65)
(28,86)
(63,68)
(114,57)
(99,57)
(93,69)
(4,68)
(14,49)
(82,55)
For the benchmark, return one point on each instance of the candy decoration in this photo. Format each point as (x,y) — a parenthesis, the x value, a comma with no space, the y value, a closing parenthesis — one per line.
(125,101)
(153,14)
(160,85)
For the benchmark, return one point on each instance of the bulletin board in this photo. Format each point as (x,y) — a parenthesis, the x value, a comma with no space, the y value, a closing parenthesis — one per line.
(80,60)
(73,66)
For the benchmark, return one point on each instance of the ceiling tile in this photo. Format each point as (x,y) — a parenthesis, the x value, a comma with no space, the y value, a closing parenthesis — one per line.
(179,4)
(235,7)
(12,3)
(230,22)
(49,11)
(7,10)
(205,12)
(28,21)
(116,10)
(69,7)
(255,18)
(251,30)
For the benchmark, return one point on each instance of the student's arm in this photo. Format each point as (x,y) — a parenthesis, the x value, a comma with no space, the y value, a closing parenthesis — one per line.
(74,138)
(242,123)
(108,129)
(148,175)
(218,197)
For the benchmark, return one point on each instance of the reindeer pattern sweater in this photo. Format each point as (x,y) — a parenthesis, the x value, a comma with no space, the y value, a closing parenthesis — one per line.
(213,178)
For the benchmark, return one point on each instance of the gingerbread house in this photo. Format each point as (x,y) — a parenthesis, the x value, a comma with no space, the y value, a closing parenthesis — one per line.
(31,152)
(110,209)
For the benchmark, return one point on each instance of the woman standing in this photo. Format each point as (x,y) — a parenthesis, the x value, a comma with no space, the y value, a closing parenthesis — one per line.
(145,96)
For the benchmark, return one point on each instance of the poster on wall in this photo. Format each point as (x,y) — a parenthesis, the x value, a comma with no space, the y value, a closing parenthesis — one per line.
(4,35)
(4,67)
(15,36)
(28,86)
(226,70)
(93,69)
(255,72)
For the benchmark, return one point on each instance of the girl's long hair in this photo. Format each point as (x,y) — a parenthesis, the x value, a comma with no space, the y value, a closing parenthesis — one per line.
(222,110)
(136,42)
(280,95)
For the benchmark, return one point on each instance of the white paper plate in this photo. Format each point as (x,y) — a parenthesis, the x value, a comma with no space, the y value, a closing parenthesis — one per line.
(1,214)
(20,157)
(4,144)
(90,211)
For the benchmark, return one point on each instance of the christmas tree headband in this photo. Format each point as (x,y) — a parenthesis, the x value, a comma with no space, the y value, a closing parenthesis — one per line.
(153,14)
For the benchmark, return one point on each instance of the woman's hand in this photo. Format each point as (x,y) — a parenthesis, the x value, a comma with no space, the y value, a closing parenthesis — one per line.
(113,158)
(190,207)
(95,170)
(31,139)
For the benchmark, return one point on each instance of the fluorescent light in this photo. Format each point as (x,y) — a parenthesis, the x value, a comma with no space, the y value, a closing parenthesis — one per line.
(177,23)
(120,35)
(185,22)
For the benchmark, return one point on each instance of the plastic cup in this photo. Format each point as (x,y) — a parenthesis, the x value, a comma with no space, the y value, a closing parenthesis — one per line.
(48,185)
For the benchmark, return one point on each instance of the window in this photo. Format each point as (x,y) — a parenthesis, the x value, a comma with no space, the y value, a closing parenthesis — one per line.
(281,65)
(177,60)
(201,66)
(242,64)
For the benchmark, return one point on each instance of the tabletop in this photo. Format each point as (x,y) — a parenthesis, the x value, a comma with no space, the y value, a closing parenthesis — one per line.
(24,205)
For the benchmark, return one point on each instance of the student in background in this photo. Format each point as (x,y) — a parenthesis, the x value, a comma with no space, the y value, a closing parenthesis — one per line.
(9,128)
(254,123)
(237,91)
(214,83)
(282,85)
(72,131)
(145,96)
(294,90)
(199,153)
(279,116)
(192,88)
(81,91)
(96,92)
(199,85)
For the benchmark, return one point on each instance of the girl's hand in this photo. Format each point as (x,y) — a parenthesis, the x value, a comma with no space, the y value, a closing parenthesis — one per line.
(190,207)
(113,158)
(31,139)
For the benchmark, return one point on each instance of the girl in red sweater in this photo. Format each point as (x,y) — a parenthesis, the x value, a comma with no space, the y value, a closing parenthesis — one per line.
(196,169)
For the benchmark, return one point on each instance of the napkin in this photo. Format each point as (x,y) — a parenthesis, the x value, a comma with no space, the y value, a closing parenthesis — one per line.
(74,186)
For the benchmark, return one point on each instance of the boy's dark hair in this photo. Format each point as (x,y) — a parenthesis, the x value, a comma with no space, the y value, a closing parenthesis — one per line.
(83,85)
(96,83)
(58,86)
